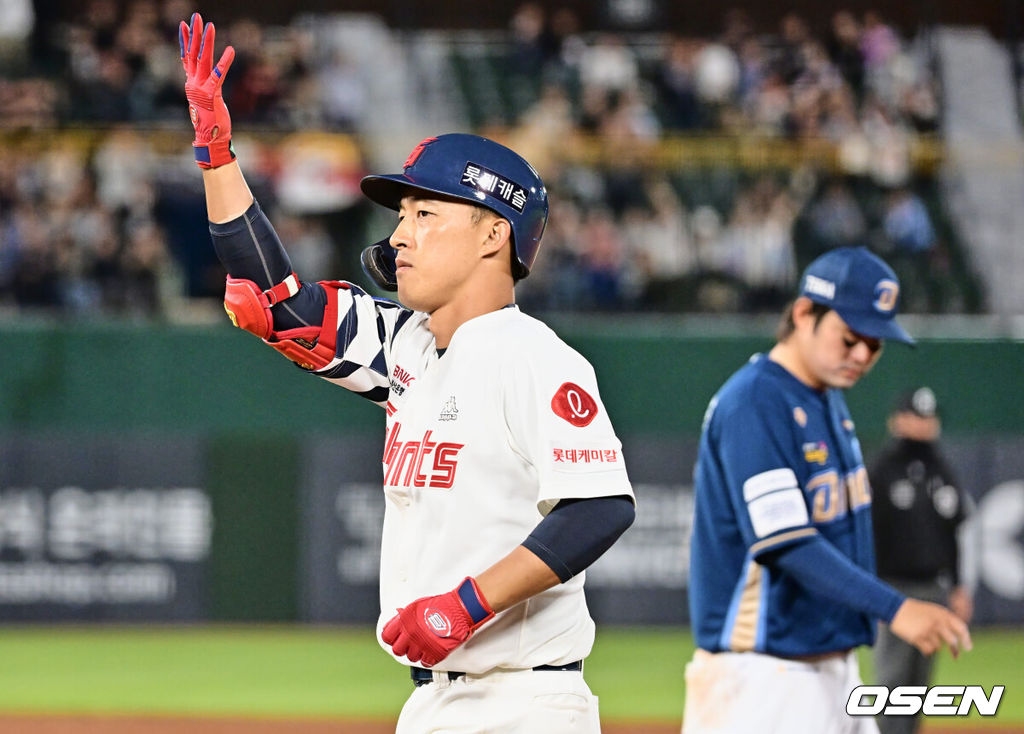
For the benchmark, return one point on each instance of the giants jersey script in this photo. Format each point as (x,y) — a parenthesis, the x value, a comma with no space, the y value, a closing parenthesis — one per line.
(779,463)
(481,443)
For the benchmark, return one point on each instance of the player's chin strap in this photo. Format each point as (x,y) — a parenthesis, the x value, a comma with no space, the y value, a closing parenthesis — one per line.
(311,347)
(378,262)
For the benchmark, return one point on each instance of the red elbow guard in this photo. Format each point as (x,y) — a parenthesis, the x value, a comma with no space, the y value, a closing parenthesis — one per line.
(311,347)
(248,307)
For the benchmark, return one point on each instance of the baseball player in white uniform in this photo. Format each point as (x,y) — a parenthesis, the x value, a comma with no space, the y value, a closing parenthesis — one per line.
(503,477)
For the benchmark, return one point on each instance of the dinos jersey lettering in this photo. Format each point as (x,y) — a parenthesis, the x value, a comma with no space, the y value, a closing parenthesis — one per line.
(480,444)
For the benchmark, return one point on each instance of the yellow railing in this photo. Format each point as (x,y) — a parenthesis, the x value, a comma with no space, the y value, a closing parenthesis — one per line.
(745,152)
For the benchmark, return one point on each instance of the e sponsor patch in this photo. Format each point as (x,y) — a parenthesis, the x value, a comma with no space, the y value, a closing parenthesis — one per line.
(573,404)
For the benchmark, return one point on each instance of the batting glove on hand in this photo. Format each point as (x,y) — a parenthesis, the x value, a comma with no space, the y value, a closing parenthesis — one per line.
(428,630)
(203,82)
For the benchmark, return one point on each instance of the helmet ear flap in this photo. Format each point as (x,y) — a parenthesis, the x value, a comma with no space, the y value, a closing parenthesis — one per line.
(378,261)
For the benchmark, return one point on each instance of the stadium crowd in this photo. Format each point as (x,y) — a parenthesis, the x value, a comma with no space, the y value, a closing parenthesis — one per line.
(93,224)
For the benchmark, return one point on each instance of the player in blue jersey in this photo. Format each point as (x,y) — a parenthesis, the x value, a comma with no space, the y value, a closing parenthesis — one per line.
(782,568)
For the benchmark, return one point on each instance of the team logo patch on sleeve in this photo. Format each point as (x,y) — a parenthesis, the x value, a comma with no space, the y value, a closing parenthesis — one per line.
(573,404)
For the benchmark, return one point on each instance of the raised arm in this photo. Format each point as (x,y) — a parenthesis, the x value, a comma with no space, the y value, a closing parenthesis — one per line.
(227,194)
(263,295)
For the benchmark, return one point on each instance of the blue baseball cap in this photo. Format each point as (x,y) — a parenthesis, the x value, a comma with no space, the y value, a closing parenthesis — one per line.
(860,287)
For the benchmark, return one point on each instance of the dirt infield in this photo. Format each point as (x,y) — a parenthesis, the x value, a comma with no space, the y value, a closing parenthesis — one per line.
(88,724)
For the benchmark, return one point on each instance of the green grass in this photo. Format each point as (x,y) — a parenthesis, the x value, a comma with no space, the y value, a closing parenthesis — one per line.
(338,672)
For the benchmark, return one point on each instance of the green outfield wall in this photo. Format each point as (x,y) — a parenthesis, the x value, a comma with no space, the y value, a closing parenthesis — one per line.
(216,379)
(165,472)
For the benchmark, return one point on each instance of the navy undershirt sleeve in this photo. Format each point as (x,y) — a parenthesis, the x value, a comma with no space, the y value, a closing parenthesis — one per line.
(248,247)
(578,531)
(820,568)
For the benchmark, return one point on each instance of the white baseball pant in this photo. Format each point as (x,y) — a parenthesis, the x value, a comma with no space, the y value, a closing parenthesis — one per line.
(739,693)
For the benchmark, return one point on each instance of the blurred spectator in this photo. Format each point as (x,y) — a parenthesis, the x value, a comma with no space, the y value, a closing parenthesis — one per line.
(15,32)
(114,200)
(608,65)
(793,34)
(310,249)
(28,103)
(676,85)
(567,46)
(716,73)
(603,261)
(836,219)
(759,237)
(907,223)
(531,48)
(889,140)
(878,43)
(660,247)
(844,49)
(342,92)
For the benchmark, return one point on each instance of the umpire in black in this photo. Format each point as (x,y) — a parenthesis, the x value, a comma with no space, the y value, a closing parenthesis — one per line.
(916,508)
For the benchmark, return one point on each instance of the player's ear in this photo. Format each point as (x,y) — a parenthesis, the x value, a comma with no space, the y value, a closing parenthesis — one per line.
(803,312)
(498,232)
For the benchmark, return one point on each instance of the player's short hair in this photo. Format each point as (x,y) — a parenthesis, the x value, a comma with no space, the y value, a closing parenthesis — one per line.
(786,324)
(477,216)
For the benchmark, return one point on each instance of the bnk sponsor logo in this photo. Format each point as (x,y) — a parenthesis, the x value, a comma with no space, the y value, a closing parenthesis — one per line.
(934,701)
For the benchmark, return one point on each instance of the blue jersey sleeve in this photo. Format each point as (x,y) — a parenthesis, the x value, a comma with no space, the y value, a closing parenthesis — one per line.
(757,457)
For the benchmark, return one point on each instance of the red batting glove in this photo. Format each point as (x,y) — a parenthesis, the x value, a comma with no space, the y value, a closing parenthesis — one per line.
(203,83)
(428,630)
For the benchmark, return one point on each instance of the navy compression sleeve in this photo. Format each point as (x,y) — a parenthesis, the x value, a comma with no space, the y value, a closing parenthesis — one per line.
(248,247)
(820,568)
(578,531)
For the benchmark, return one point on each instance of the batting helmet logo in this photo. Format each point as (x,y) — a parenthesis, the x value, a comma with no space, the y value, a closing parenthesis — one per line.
(411,160)
(437,622)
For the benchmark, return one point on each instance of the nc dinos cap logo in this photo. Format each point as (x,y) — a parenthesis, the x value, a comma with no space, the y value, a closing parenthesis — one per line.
(886,293)
(437,622)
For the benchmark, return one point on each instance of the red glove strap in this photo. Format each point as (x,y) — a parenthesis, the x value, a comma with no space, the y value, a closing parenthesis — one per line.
(215,154)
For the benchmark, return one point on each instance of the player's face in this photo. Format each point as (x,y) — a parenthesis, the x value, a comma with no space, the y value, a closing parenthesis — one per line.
(833,354)
(438,242)
(915,427)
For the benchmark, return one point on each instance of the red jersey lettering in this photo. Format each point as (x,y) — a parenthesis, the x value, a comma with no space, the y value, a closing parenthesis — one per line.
(405,461)
(444,465)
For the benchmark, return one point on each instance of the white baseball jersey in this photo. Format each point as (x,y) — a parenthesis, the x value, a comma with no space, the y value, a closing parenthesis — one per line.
(481,443)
